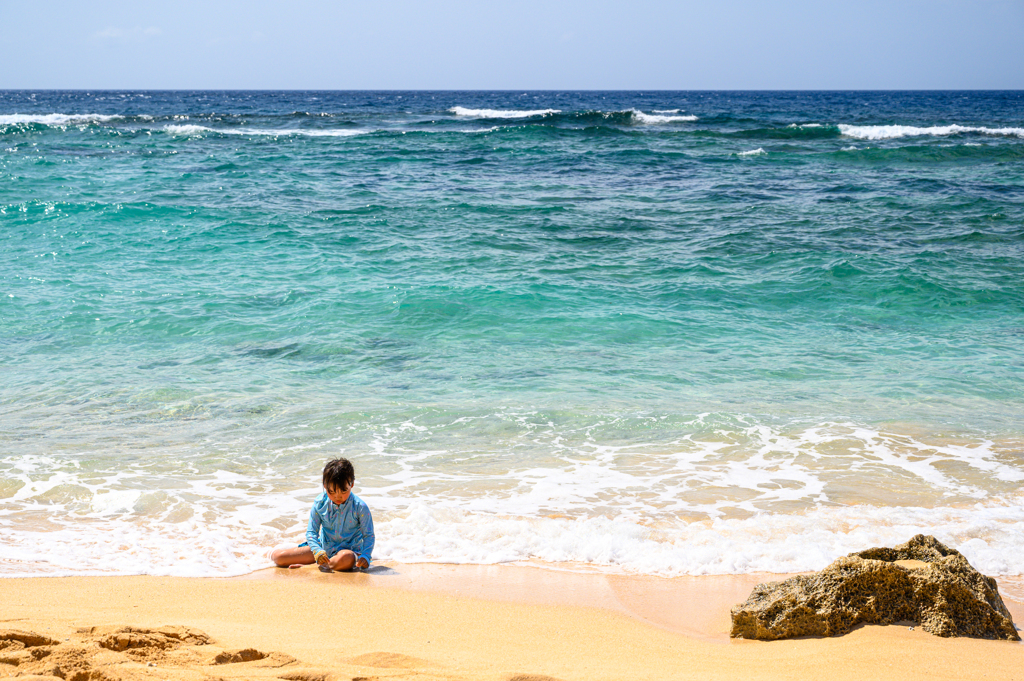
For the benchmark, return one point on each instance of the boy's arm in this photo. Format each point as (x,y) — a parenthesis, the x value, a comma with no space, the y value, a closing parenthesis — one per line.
(313,535)
(366,525)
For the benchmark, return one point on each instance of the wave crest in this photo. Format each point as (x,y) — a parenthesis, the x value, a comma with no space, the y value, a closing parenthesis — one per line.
(625,117)
(651,119)
(501,113)
(56,119)
(883,132)
(187,129)
(194,130)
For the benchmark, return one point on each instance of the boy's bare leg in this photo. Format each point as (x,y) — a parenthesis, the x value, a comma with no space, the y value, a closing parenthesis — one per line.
(297,555)
(343,561)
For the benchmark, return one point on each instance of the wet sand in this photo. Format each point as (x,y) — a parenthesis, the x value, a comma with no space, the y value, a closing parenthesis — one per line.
(445,622)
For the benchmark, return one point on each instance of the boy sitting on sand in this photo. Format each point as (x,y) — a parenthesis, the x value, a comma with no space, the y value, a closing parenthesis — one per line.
(340,531)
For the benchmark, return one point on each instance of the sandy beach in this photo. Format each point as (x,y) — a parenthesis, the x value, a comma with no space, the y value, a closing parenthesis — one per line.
(499,623)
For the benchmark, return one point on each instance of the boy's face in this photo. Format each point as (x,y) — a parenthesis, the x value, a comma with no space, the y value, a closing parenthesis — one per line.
(338,495)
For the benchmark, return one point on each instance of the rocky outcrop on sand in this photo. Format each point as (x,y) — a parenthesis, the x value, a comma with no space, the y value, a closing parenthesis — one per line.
(922,581)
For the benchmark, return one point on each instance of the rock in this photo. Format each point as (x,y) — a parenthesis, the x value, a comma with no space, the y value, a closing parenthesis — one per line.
(922,581)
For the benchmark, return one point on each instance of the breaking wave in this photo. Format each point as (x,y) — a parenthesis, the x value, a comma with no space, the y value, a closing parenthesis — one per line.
(649,119)
(56,119)
(884,132)
(194,130)
(501,113)
(625,117)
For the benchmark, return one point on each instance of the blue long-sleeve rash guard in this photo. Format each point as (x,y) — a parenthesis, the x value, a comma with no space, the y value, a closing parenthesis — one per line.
(335,527)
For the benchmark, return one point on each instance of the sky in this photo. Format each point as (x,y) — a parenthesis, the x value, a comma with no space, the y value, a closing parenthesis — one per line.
(530,44)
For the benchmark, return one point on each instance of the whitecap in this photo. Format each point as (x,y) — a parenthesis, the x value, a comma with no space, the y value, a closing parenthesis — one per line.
(301,133)
(501,113)
(650,119)
(192,130)
(753,152)
(881,132)
(56,119)
(187,129)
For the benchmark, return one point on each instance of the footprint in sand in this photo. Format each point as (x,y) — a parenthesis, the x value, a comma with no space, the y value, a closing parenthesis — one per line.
(235,656)
(252,655)
(308,675)
(388,661)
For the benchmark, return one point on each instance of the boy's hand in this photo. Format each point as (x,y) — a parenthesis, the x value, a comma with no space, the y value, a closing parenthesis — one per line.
(362,563)
(320,557)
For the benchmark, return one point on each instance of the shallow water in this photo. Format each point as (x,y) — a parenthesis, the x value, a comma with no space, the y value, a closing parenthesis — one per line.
(662,332)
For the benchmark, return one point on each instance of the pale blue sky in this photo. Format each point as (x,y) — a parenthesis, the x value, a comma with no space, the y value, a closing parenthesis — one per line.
(554,44)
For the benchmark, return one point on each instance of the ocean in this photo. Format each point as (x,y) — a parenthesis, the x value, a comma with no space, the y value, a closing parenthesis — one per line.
(662,333)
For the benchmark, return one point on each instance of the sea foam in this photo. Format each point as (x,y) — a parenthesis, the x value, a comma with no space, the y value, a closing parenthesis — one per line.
(236,542)
(651,119)
(646,508)
(187,129)
(194,130)
(881,132)
(988,535)
(501,113)
(56,119)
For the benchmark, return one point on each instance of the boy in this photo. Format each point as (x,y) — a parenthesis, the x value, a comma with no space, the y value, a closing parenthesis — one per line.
(340,531)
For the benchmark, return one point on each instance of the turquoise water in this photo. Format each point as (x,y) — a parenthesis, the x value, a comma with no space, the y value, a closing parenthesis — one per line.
(657,332)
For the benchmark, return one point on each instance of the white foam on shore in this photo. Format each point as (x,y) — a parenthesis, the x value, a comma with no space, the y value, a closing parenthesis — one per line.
(426,531)
(987,536)
(882,132)
(733,498)
(501,113)
(56,119)
(654,119)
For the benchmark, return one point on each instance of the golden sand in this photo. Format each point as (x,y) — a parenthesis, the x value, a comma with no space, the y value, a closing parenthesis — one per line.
(434,622)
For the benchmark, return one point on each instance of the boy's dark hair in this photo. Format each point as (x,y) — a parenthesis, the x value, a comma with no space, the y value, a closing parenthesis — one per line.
(339,473)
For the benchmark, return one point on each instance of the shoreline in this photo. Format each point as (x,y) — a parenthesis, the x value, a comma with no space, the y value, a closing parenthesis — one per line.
(694,606)
(465,622)
(676,604)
